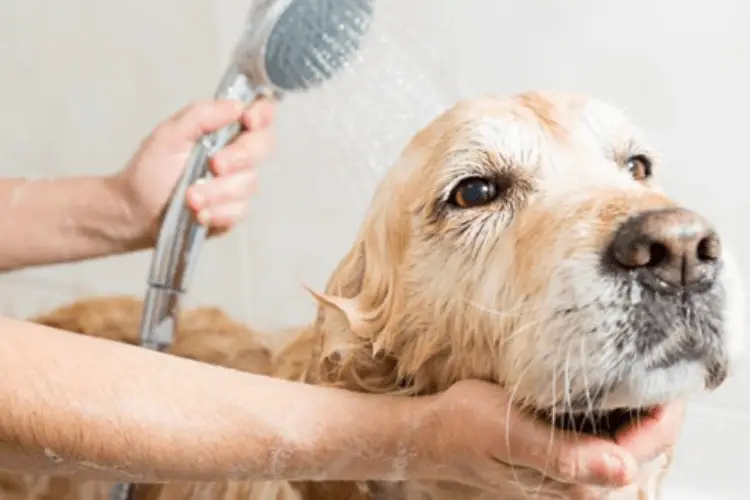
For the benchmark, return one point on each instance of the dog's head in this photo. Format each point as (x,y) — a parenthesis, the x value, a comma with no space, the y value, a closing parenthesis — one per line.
(524,241)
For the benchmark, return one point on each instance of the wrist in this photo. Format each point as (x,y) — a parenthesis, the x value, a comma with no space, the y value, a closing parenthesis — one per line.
(426,442)
(133,226)
(368,437)
(64,220)
(116,224)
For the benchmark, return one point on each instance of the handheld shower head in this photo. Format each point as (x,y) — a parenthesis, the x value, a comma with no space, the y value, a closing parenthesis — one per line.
(293,45)
(287,46)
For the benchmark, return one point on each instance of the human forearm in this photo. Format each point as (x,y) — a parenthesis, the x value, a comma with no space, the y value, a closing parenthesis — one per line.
(75,404)
(63,220)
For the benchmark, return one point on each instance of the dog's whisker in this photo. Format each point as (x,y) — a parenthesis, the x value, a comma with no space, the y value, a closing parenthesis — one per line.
(511,405)
(586,385)
(510,311)
(553,411)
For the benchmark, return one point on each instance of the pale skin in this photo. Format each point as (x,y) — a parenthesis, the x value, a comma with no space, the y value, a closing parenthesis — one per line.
(49,426)
(71,219)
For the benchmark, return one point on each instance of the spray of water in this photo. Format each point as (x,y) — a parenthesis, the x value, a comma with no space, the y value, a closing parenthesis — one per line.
(391,87)
(334,144)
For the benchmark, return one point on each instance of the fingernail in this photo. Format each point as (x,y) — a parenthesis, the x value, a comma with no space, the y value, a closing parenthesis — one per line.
(197,198)
(614,470)
(256,119)
(259,116)
(196,193)
(265,118)
(247,120)
(204,216)
(218,163)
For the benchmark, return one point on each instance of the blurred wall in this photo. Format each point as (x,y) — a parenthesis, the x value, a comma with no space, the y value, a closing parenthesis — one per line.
(83,81)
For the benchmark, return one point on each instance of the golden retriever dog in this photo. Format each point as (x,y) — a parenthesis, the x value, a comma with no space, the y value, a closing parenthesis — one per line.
(523,241)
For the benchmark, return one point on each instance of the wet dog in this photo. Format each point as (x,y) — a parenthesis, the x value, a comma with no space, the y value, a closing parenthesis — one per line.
(524,241)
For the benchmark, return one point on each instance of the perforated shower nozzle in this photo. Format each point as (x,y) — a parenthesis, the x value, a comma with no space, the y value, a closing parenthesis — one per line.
(307,41)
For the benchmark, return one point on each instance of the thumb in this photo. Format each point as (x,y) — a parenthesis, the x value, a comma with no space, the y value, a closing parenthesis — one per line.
(519,438)
(567,456)
(204,117)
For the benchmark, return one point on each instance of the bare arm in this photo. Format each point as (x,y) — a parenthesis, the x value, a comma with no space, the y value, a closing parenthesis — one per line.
(76,404)
(62,220)
(49,221)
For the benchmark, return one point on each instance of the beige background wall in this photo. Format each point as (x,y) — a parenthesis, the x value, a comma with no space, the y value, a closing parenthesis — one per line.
(83,80)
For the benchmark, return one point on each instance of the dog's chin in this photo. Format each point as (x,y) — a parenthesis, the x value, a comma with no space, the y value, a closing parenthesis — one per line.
(601,423)
(630,381)
(635,403)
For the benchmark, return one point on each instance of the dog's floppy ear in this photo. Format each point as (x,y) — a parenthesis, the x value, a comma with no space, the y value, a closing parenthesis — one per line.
(363,292)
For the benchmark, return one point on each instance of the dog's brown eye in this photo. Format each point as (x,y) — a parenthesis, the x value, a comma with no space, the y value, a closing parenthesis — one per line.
(474,192)
(639,167)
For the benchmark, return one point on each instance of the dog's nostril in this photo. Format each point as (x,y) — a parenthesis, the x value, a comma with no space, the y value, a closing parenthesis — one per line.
(658,254)
(675,246)
(709,248)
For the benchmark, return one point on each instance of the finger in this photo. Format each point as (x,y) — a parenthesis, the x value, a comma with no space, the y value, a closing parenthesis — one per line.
(649,439)
(567,456)
(221,191)
(243,153)
(259,114)
(204,117)
(222,216)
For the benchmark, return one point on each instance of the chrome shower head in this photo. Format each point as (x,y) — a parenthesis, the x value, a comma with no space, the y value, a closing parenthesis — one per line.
(293,45)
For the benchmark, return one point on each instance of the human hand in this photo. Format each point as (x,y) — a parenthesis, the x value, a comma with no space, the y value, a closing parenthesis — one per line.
(475,436)
(151,175)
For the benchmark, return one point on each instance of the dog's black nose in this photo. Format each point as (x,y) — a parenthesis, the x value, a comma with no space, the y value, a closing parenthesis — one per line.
(669,248)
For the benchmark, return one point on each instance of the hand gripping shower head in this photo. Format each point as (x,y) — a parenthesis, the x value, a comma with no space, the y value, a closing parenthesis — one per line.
(287,46)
